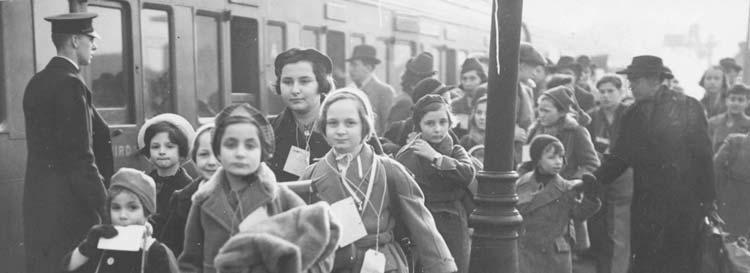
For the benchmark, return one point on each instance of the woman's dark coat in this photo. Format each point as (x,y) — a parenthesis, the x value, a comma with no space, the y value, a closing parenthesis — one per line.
(664,139)
(287,135)
(69,161)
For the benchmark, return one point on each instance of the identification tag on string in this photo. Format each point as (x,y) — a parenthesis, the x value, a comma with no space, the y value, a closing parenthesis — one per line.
(346,214)
(602,140)
(374,262)
(463,121)
(297,161)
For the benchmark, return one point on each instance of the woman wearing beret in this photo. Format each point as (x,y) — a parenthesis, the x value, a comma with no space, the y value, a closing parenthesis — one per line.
(302,80)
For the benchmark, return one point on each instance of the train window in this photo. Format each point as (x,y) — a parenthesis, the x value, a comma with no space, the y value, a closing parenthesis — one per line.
(245,59)
(402,52)
(382,53)
(336,50)
(108,74)
(450,66)
(276,39)
(309,38)
(207,71)
(157,62)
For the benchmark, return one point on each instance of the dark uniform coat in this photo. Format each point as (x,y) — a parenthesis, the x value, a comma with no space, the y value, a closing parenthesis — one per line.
(664,139)
(69,155)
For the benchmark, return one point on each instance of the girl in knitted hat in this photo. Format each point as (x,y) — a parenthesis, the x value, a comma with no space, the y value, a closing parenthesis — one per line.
(559,115)
(548,203)
(131,200)
(443,169)
(378,192)
(243,192)
(179,205)
(164,141)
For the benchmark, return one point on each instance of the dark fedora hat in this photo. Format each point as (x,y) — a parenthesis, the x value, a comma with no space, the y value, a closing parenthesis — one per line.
(567,62)
(647,64)
(365,53)
(296,54)
(421,64)
(730,63)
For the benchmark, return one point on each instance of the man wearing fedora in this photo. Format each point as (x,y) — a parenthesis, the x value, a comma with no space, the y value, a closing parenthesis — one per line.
(362,72)
(69,149)
(568,65)
(664,139)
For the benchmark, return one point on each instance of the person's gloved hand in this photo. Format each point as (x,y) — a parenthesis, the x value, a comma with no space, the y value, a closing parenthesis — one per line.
(590,186)
(89,245)
(710,210)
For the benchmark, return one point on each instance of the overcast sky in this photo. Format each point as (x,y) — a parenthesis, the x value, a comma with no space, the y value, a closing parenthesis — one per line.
(625,28)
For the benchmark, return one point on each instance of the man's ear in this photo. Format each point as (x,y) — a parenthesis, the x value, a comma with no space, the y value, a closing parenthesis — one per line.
(74,41)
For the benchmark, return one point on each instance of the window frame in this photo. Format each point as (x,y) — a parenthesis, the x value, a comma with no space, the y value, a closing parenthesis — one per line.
(315,30)
(220,43)
(172,54)
(128,65)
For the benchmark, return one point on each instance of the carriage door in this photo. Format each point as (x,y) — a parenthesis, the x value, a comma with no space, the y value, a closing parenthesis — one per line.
(111,77)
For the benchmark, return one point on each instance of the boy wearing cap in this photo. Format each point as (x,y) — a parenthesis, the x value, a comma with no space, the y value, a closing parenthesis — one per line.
(731,69)
(361,70)
(69,148)
(734,120)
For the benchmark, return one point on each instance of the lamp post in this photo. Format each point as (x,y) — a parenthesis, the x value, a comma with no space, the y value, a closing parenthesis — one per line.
(496,220)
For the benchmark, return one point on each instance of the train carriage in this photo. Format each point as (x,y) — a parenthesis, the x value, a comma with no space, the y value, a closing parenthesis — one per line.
(193,57)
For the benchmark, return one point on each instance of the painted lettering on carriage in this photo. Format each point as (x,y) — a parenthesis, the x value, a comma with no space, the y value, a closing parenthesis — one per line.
(123,150)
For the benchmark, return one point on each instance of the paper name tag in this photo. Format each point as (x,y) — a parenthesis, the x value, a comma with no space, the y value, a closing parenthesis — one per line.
(129,238)
(374,262)
(525,153)
(346,215)
(297,161)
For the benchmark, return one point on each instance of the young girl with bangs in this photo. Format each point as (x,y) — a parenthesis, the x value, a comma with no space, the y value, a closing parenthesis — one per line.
(443,170)
(381,191)
(164,140)
(244,190)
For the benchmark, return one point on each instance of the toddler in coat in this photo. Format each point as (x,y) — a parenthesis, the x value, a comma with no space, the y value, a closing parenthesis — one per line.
(548,203)
(131,200)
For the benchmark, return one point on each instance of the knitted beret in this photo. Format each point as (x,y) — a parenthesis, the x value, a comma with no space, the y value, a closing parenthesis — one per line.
(138,183)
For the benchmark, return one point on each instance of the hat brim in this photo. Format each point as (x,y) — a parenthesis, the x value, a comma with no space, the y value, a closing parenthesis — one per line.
(178,121)
(630,71)
(373,60)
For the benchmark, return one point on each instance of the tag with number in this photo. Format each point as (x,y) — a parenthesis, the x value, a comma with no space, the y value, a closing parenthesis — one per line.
(297,161)
(350,222)
(374,262)
(526,153)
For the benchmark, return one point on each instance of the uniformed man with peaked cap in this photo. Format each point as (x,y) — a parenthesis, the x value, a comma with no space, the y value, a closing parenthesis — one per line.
(69,149)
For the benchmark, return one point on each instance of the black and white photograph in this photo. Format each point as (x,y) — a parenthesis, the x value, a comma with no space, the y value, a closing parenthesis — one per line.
(374,136)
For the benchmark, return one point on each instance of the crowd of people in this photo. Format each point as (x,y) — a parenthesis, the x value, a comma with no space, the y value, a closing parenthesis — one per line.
(392,173)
